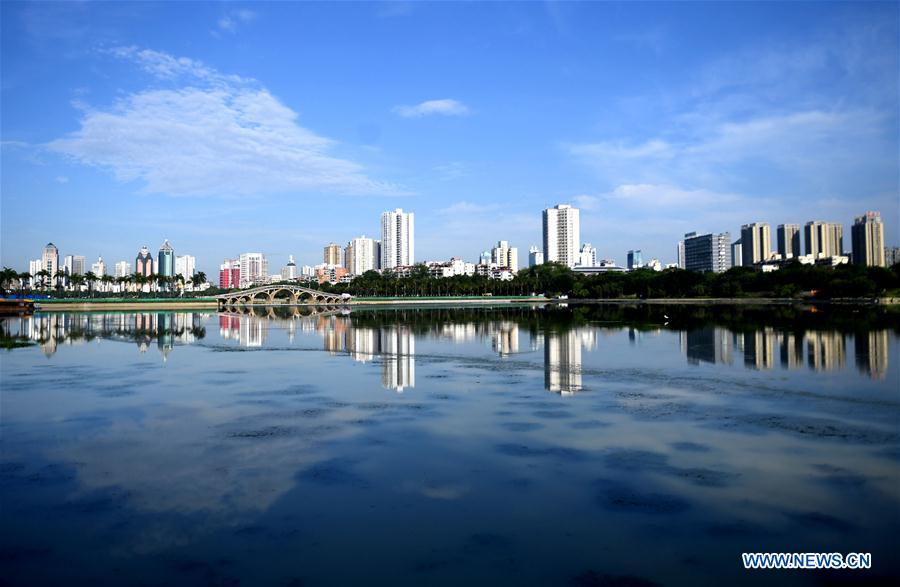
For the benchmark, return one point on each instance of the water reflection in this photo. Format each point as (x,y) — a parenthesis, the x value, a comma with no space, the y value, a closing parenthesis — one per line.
(824,351)
(267,449)
(49,330)
(367,336)
(872,353)
(562,362)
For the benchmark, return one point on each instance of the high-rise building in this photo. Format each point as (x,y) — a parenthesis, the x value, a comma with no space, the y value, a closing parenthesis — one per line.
(50,261)
(143,263)
(484,258)
(165,263)
(230,274)
(34,267)
(634,259)
(333,255)
(824,239)
(587,256)
(397,239)
(737,257)
(254,269)
(707,252)
(99,268)
(756,243)
(363,254)
(123,269)
(74,264)
(867,234)
(535,256)
(185,266)
(680,251)
(289,271)
(788,240)
(505,256)
(891,256)
(562,233)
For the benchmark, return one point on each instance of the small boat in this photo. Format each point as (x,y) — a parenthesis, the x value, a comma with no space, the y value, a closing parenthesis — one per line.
(16,307)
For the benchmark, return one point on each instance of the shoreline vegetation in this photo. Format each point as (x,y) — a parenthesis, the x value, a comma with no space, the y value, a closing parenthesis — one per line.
(795,283)
(126,304)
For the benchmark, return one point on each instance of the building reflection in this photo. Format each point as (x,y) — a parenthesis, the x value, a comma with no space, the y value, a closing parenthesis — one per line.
(825,351)
(871,349)
(390,341)
(790,350)
(708,345)
(398,364)
(505,338)
(759,349)
(562,361)
(819,350)
(52,330)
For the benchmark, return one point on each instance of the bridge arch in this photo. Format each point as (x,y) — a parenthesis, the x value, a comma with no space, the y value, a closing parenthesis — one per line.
(267,294)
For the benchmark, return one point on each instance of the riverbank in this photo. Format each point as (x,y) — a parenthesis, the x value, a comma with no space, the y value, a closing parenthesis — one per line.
(742,301)
(124,304)
(127,304)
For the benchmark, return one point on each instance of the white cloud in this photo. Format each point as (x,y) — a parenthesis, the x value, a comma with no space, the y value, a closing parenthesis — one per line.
(62,179)
(450,171)
(217,136)
(467,208)
(795,149)
(443,107)
(164,66)
(229,22)
(657,198)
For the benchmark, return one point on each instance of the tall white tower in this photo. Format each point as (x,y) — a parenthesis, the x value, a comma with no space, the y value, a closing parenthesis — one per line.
(562,234)
(397,239)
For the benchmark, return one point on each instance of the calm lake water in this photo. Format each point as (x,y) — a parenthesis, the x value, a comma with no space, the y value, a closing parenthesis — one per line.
(509,445)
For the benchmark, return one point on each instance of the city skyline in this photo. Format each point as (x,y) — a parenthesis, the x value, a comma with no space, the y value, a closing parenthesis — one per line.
(472,168)
(756,246)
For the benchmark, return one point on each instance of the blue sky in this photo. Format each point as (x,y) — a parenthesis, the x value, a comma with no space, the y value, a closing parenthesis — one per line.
(279,127)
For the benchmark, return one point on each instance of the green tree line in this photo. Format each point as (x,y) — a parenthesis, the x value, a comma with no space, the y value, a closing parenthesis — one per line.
(553,279)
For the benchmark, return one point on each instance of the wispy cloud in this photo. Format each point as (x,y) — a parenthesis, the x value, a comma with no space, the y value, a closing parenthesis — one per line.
(165,66)
(660,197)
(230,22)
(443,107)
(394,8)
(797,149)
(213,135)
(450,171)
(464,207)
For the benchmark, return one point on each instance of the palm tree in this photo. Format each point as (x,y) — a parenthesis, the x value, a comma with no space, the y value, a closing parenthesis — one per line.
(42,276)
(161,281)
(24,278)
(90,277)
(7,276)
(60,277)
(77,280)
(107,281)
(198,279)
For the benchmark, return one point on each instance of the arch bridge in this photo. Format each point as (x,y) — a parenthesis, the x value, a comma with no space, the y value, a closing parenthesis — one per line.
(265,294)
